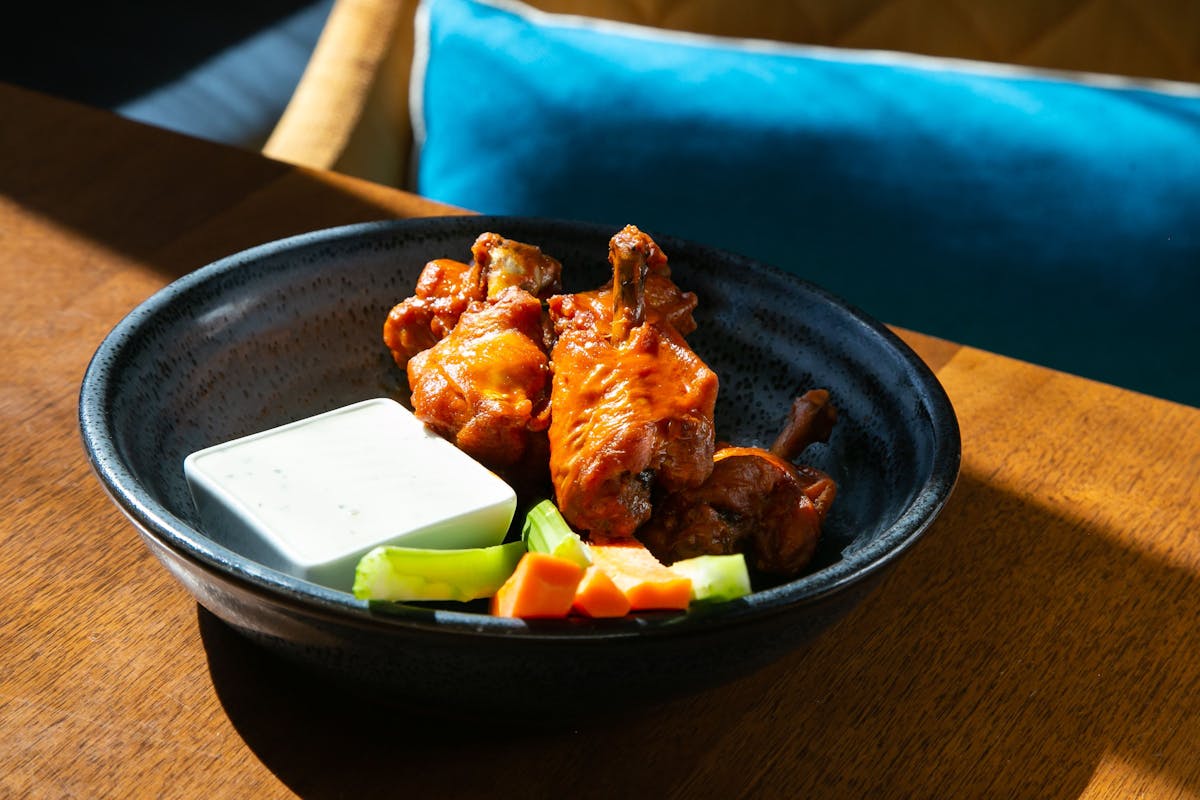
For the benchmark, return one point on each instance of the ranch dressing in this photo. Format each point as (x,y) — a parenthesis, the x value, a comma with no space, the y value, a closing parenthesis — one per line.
(311,497)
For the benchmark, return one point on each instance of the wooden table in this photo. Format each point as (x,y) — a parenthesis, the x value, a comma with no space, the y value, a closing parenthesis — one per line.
(1041,640)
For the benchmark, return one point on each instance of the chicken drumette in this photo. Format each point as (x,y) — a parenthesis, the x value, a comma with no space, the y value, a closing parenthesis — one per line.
(755,501)
(632,404)
(486,386)
(474,341)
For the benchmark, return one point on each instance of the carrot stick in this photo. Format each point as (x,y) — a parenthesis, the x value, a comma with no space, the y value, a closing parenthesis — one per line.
(598,596)
(641,577)
(541,586)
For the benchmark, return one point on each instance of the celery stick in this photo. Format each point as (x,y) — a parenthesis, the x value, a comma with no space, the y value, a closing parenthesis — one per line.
(413,573)
(715,578)
(546,531)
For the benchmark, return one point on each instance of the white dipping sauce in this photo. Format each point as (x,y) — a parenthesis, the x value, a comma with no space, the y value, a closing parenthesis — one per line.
(311,497)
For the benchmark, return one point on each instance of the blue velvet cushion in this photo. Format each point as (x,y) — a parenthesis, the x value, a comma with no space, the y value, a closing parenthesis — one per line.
(1050,219)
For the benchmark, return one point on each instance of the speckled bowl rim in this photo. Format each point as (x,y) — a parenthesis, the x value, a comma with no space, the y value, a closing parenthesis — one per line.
(153,519)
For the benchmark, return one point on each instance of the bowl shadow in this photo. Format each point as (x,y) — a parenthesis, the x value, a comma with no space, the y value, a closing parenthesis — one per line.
(901,698)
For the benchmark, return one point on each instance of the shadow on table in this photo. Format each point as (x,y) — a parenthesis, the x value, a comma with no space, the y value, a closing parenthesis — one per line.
(995,689)
(171,203)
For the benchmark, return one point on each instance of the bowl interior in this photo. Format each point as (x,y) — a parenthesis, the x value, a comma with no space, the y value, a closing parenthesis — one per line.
(292,328)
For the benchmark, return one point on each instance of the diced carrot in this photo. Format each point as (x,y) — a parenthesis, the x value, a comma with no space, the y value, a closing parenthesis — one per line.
(541,586)
(598,596)
(641,577)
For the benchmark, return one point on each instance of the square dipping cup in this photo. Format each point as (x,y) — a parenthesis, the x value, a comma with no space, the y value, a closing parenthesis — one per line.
(311,497)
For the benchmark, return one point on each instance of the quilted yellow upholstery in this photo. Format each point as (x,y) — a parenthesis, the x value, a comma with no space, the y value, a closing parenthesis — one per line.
(350,111)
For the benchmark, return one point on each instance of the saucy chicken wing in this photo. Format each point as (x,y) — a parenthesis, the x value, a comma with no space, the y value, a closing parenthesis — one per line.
(447,287)
(486,385)
(755,501)
(632,404)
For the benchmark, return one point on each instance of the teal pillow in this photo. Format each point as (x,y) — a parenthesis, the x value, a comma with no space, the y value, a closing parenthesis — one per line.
(1052,219)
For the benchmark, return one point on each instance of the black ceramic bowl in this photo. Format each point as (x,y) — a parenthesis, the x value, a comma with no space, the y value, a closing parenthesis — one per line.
(292,328)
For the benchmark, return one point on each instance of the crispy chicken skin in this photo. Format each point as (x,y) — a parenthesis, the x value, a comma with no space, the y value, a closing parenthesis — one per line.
(632,404)
(447,287)
(486,385)
(755,501)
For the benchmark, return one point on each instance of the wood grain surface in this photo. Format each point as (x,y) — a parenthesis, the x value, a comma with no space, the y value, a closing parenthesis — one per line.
(1040,641)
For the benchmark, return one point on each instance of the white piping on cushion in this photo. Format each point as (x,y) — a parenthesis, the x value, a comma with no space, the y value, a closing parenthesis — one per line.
(416,87)
(891,58)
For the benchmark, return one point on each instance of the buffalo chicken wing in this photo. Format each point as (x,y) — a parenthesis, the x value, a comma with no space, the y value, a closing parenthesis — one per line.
(447,287)
(632,405)
(486,385)
(755,501)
